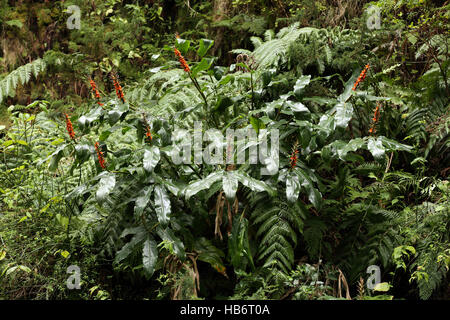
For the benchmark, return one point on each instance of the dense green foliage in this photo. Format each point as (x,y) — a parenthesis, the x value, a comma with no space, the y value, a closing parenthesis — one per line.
(363,156)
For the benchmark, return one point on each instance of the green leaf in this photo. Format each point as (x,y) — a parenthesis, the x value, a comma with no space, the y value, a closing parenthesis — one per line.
(129,247)
(239,246)
(208,253)
(375,147)
(229,184)
(182,45)
(178,246)
(15,23)
(115,113)
(314,196)
(162,205)
(205,45)
(76,192)
(382,286)
(151,158)
(253,184)
(149,257)
(257,124)
(203,65)
(87,119)
(56,156)
(348,87)
(106,185)
(83,152)
(344,113)
(344,148)
(392,145)
(65,254)
(142,200)
(202,184)
(292,187)
(296,106)
(223,103)
(301,83)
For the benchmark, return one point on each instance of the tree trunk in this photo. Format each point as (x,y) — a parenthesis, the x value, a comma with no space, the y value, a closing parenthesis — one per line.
(221,9)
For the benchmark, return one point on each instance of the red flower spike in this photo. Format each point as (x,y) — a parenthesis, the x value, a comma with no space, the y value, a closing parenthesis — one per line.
(361,77)
(148,133)
(375,119)
(101,159)
(69,127)
(95,91)
(118,88)
(182,60)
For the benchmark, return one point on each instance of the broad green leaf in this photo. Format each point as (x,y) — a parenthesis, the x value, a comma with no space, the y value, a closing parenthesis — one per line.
(106,133)
(2,255)
(65,254)
(106,185)
(55,157)
(343,148)
(90,117)
(203,65)
(375,147)
(300,84)
(344,113)
(257,124)
(382,286)
(142,200)
(392,145)
(83,152)
(115,113)
(133,231)
(182,45)
(253,184)
(151,158)
(205,45)
(178,246)
(297,106)
(129,247)
(292,187)
(202,184)
(162,205)
(76,192)
(314,195)
(348,87)
(208,253)
(149,256)
(229,184)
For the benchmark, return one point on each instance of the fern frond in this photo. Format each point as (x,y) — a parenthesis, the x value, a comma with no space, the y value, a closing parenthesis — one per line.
(22,74)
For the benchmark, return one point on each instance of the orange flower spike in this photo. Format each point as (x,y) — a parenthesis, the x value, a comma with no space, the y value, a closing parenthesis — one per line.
(293,159)
(182,60)
(96,93)
(148,133)
(361,77)
(101,159)
(376,117)
(118,88)
(69,127)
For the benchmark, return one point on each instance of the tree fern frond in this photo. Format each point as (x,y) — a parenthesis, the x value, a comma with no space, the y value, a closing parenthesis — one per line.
(22,74)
